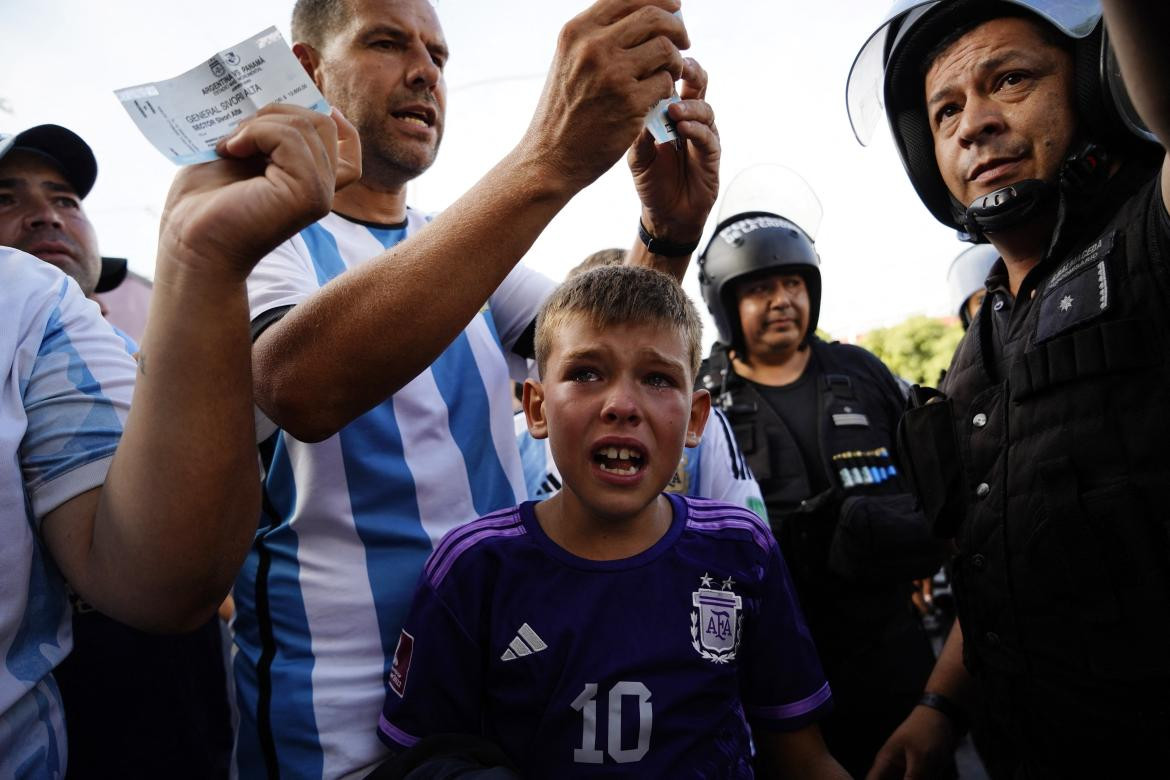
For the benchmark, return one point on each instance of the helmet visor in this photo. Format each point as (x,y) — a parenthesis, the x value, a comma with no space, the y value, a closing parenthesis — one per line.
(968,272)
(864,89)
(773,189)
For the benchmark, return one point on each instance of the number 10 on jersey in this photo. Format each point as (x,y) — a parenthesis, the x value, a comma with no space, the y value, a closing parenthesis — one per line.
(586,704)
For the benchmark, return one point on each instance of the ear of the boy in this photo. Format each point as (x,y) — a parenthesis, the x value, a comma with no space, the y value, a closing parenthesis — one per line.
(700,411)
(533,403)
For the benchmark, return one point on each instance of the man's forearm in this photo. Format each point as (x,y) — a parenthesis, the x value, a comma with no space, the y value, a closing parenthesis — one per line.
(950,677)
(374,328)
(182,496)
(796,754)
(675,266)
(1137,31)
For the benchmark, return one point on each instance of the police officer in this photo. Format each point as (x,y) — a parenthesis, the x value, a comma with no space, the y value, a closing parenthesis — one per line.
(1046,455)
(965,280)
(816,422)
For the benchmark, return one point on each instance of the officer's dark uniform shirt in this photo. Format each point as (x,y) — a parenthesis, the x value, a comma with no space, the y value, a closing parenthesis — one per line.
(999,303)
(813,446)
(1051,470)
(793,402)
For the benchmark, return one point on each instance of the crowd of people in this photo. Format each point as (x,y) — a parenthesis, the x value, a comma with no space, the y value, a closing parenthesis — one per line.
(666,564)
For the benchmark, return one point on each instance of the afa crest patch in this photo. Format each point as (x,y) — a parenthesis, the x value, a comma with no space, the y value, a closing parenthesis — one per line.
(716,626)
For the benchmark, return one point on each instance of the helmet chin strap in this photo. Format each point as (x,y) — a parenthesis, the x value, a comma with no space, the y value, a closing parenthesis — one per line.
(1007,207)
(1083,173)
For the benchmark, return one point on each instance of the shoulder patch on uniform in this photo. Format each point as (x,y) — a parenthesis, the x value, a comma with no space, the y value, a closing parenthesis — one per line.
(1077,293)
(1090,255)
(400,668)
(850,419)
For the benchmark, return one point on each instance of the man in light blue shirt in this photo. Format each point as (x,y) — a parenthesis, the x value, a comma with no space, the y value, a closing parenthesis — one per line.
(145,513)
(116,677)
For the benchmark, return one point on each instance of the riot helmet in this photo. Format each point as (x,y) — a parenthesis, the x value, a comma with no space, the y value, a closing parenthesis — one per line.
(888,74)
(967,275)
(767,222)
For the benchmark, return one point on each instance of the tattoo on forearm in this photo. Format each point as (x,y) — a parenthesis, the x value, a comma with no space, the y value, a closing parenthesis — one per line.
(140,356)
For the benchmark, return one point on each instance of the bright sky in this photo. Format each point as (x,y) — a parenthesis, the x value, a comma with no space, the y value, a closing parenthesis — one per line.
(777,83)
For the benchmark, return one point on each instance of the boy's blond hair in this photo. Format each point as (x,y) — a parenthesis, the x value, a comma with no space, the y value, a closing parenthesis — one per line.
(617,295)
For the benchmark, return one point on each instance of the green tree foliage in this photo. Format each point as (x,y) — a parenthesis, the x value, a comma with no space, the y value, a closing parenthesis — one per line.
(918,349)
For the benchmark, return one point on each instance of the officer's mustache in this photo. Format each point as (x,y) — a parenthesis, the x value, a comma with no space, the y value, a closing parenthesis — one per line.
(784,314)
(998,151)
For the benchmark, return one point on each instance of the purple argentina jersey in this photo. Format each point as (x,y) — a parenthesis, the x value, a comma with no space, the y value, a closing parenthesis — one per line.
(644,666)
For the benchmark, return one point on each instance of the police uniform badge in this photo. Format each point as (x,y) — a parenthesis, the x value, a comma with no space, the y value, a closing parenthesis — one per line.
(1077,292)
(715,622)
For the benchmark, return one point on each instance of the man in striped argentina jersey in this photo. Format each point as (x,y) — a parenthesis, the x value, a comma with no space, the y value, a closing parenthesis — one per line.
(379,353)
(613,630)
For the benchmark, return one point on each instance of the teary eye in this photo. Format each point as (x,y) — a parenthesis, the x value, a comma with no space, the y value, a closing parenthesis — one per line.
(659,379)
(583,374)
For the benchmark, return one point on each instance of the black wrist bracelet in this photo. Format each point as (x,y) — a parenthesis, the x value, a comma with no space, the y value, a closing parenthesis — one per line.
(936,701)
(665,248)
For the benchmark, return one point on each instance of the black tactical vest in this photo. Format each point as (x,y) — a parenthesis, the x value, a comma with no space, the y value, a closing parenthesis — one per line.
(1053,478)
(854,548)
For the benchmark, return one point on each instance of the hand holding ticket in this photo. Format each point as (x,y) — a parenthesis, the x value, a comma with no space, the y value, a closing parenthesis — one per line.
(185,117)
(222,216)
(658,122)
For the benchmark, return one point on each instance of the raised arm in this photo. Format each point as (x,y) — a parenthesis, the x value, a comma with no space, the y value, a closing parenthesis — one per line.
(1137,31)
(374,328)
(677,185)
(158,546)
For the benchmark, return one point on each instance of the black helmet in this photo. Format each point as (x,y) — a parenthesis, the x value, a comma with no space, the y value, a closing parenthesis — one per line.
(887,73)
(756,234)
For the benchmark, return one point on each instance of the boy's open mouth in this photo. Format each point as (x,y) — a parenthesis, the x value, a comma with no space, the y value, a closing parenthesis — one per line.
(618,460)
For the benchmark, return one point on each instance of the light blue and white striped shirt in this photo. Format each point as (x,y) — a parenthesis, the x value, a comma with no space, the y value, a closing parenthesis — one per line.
(67,387)
(349,521)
